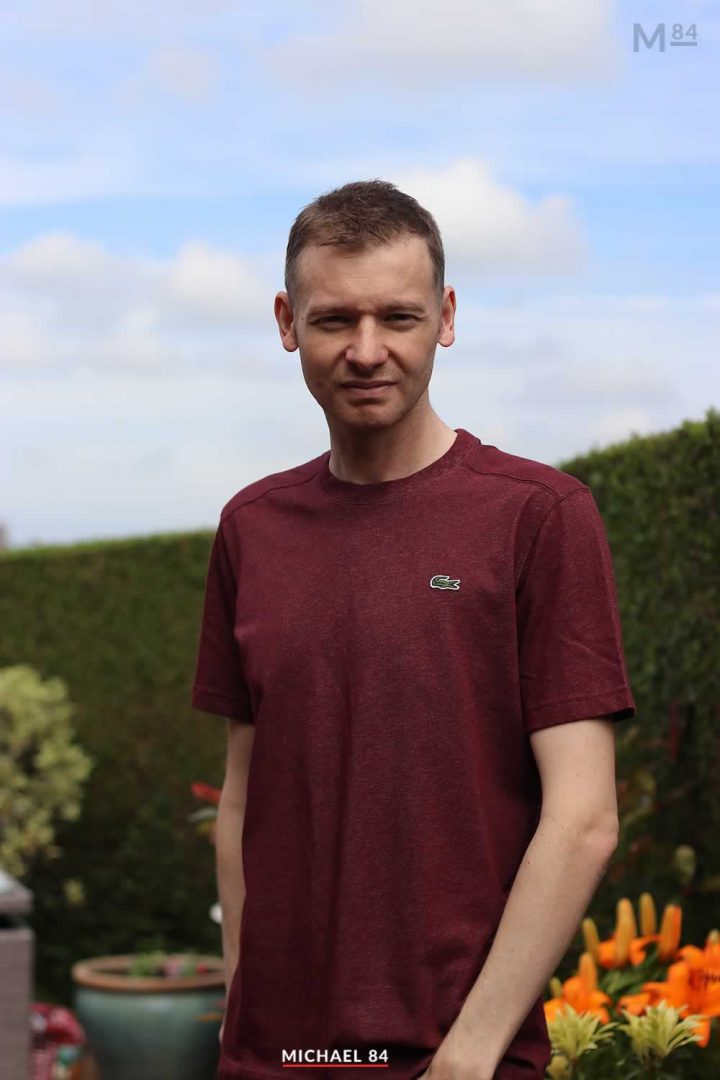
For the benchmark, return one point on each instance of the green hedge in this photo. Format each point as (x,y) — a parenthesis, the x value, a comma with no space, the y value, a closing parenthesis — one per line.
(659,497)
(119,622)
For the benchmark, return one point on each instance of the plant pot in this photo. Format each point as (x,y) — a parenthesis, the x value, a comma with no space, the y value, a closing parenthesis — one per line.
(150,1027)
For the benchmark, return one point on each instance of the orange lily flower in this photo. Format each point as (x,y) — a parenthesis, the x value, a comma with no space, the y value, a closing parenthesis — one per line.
(692,986)
(626,944)
(580,991)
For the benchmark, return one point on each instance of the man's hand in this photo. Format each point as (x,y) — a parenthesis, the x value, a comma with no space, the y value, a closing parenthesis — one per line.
(458,1058)
(463,1071)
(442,1070)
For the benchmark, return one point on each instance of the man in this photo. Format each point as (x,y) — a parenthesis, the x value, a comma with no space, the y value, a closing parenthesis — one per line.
(399,632)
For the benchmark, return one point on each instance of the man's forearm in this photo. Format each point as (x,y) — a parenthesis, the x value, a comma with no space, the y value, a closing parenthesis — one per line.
(230,880)
(553,887)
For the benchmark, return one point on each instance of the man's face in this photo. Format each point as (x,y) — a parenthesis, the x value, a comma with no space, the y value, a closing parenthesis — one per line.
(365,317)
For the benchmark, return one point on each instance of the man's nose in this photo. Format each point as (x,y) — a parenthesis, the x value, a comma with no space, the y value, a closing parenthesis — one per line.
(366,345)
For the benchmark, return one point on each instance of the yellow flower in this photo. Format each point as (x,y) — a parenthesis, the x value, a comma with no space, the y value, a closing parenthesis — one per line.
(559,1068)
(573,1033)
(658,1032)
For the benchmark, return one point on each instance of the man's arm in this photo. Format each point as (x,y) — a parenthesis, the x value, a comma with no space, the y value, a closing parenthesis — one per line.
(555,882)
(228,840)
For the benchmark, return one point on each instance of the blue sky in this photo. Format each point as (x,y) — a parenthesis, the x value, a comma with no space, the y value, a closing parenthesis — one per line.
(153,158)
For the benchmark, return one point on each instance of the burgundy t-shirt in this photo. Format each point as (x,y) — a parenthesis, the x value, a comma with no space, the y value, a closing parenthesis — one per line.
(394,643)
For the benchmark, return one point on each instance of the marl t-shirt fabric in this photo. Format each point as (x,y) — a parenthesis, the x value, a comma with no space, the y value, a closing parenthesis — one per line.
(394,644)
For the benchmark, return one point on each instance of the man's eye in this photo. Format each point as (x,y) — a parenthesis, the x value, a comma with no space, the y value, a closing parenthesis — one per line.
(341,318)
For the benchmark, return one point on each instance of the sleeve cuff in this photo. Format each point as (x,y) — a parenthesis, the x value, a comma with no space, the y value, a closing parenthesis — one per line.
(614,704)
(220,704)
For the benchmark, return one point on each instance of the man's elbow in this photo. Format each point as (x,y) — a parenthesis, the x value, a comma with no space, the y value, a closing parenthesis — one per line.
(605,832)
(601,831)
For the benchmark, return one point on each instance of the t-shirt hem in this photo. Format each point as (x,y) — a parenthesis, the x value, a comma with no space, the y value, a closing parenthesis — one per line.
(241,1073)
(503,1072)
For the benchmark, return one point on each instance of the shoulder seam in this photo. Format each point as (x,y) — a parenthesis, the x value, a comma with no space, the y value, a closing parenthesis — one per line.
(275,487)
(523,480)
(544,518)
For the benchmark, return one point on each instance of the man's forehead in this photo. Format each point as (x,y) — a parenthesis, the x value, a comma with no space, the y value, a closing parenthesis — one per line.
(320,302)
(406,251)
(333,277)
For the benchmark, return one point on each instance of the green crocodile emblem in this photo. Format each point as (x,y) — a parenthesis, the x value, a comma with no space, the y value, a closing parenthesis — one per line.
(442,581)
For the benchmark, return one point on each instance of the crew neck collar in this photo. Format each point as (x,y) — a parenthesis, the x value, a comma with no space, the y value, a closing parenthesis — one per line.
(389,490)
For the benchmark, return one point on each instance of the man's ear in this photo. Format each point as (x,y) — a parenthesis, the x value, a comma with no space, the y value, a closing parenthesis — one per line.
(448,307)
(284,319)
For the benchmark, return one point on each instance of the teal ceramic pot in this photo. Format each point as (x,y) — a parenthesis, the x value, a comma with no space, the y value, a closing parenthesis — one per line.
(150,1028)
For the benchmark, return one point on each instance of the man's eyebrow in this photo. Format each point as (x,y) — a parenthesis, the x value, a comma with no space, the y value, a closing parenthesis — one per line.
(337,309)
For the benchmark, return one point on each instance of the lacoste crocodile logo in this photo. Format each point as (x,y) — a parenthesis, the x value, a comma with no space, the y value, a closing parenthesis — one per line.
(442,581)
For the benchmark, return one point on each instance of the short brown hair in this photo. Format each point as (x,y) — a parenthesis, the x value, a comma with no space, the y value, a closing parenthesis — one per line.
(360,215)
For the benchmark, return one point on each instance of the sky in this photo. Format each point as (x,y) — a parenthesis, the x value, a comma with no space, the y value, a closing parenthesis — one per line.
(154,157)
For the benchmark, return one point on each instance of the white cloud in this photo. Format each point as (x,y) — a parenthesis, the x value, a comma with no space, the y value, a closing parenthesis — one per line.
(23,94)
(418,42)
(60,259)
(69,300)
(218,285)
(189,73)
(76,282)
(489,229)
(621,424)
(21,345)
(178,71)
(106,165)
(80,19)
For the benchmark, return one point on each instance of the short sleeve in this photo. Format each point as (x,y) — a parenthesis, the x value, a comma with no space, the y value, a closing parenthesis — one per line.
(570,652)
(219,686)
